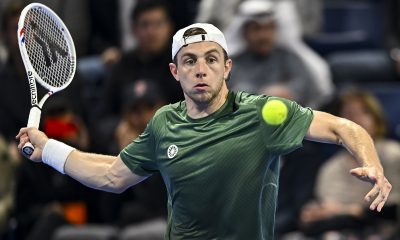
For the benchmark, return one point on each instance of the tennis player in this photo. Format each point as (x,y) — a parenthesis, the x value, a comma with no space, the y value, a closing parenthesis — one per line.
(218,158)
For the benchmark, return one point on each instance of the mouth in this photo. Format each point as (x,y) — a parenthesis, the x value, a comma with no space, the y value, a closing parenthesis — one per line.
(200,86)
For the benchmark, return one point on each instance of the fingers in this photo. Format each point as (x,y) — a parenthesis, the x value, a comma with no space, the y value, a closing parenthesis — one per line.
(21,132)
(381,190)
(373,193)
(22,140)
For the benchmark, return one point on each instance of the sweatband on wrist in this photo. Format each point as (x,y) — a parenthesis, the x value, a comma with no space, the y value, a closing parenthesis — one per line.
(55,154)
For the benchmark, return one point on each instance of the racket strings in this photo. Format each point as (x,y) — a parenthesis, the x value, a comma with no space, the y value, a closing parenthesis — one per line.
(47,48)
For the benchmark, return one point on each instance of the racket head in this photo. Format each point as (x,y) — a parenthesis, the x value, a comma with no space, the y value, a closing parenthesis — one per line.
(46,47)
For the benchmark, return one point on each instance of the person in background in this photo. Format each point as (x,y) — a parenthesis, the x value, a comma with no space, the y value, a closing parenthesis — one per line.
(264,67)
(337,205)
(141,100)
(152,27)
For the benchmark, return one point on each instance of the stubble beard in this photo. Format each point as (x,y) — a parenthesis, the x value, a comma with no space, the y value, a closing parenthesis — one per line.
(205,97)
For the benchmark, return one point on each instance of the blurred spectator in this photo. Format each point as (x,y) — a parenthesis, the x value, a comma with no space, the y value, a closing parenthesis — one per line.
(8,162)
(292,26)
(183,14)
(261,63)
(141,100)
(339,203)
(222,13)
(152,28)
(60,122)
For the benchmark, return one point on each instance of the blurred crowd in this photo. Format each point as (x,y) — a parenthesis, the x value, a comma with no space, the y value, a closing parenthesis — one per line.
(339,56)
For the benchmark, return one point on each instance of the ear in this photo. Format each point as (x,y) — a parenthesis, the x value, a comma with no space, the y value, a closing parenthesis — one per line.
(174,71)
(228,68)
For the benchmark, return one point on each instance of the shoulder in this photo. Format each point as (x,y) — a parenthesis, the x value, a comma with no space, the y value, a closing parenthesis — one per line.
(169,111)
(166,115)
(244,98)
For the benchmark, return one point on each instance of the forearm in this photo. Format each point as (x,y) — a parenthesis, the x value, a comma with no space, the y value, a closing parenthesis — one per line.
(93,170)
(330,129)
(358,142)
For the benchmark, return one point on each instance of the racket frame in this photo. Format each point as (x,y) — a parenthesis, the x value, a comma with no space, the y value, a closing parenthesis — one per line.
(32,75)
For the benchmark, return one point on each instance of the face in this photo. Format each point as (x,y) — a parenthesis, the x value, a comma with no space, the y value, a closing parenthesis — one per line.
(201,70)
(153,30)
(355,111)
(260,37)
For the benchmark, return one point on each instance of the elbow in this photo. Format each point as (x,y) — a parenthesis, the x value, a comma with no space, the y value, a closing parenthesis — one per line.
(341,127)
(346,128)
(115,184)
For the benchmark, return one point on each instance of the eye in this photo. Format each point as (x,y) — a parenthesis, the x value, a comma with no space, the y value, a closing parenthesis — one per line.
(189,61)
(211,60)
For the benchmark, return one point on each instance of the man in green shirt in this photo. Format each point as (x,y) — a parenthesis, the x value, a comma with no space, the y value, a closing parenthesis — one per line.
(219,159)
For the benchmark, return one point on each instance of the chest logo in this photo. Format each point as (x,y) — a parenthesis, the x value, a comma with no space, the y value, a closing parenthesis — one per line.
(172,151)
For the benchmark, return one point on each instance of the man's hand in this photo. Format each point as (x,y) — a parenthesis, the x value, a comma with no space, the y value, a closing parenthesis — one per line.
(34,136)
(381,188)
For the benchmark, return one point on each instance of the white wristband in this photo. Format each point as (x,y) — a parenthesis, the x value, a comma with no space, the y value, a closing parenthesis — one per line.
(55,154)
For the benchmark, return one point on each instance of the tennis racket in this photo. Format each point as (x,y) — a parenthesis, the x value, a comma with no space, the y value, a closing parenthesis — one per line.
(48,54)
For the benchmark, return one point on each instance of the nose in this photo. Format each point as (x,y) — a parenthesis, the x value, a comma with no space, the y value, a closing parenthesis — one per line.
(200,69)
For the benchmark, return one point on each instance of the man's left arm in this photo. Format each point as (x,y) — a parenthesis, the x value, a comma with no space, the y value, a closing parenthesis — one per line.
(331,129)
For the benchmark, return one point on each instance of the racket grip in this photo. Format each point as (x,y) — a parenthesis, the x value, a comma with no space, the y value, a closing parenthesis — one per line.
(33,121)
(34,117)
(28,149)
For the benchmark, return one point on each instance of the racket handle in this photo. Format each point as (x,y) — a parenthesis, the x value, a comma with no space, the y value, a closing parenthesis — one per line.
(33,121)
(28,149)
(34,117)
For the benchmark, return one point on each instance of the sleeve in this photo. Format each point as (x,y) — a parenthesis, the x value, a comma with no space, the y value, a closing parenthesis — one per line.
(288,136)
(139,156)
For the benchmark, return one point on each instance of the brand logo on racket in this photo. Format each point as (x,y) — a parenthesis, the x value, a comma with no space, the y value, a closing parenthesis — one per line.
(172,151)
(32,87)
(49,47)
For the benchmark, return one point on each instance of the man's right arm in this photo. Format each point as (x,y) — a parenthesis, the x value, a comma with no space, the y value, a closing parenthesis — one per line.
(107,173)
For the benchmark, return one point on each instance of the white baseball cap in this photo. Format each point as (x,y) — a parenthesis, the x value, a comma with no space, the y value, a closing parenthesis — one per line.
(213,35)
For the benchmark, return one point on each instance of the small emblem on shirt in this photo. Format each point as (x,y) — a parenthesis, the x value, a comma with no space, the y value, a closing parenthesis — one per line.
(172,151)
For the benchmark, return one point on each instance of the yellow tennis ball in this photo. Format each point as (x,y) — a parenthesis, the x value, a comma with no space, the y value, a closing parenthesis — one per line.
(274,112)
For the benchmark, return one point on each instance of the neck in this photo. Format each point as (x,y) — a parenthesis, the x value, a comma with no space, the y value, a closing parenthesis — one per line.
(197,110)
